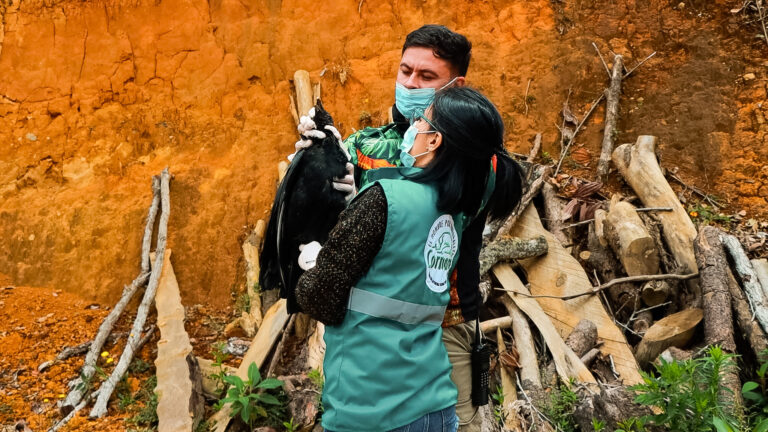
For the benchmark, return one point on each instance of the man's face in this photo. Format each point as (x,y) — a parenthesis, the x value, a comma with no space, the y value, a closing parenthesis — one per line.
(420,68)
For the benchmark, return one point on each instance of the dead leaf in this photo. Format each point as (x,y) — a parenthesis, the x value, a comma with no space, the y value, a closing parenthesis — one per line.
(581,156)
(570,209)
(587,189)
(587,210)
(510,360)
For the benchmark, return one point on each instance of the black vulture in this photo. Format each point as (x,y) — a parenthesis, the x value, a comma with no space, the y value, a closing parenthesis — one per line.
(305,209)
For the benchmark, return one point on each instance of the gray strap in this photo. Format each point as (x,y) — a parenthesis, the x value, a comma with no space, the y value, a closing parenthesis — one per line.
(397,310)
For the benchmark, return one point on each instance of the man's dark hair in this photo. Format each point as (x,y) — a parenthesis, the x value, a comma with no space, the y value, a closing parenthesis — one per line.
(445,44)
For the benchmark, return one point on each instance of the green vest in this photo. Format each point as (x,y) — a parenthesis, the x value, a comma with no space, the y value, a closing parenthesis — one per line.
(385,364)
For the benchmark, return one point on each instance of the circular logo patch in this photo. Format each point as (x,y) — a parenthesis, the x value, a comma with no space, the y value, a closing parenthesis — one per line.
(442,244)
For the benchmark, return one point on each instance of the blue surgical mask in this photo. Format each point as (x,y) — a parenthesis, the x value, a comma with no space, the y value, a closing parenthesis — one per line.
(405,146)
(413,102)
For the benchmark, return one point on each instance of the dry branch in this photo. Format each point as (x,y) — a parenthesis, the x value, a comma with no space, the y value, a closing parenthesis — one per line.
(535,149)
(508,389)
(100,407)
(553,214)
(304,92)
(526,350)
(495,324)
(539,175)
(77,385)
(612,94)
(749,328)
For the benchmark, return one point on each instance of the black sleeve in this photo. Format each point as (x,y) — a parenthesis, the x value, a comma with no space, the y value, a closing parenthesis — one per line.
(323,291)
(468,268)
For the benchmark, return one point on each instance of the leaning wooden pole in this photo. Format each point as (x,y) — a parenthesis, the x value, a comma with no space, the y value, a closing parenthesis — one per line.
(612,94)
(757,298)
(77,388)
(100,407)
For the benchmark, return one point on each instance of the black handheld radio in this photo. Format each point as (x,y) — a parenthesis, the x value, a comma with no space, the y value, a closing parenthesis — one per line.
(481,365)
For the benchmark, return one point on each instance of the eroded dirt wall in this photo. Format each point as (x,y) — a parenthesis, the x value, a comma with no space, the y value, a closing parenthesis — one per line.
(97,96)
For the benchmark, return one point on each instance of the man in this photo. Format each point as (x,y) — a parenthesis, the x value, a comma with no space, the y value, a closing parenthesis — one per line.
(433,57)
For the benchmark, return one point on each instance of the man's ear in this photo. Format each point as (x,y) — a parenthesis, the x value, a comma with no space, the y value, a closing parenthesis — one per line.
(435,141)
(460,81)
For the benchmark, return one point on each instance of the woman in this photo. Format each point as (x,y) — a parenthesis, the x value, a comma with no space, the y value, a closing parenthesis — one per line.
(381,280)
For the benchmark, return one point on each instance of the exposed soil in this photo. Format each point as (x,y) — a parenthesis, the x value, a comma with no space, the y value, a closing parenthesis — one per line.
(98,96)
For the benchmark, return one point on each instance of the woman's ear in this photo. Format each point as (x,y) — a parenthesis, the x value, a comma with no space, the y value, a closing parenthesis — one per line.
(435,141)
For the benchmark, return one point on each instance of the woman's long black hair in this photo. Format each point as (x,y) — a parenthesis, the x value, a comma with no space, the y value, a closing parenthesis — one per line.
(472,133)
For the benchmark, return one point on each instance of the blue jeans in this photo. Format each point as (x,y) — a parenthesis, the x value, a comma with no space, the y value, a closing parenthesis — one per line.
(444,420)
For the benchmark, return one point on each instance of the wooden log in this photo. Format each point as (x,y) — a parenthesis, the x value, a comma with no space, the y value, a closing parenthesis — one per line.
(583,337)
(718,320)
(567,363)
(558,273)
(553,212)
(638,165)
(747,326)
(315,93)
(77,387)
(509,248)
(508,389)
(758,301)
(271,328)
(304,92)
(316,348)
(655,293)
(303,401)
(250,320)
(535,149)
(526,349)
(674,330)
(612,94)
(106,389)
(622,297)
(210,386)
(761,270)
(630,240)
(180,403)
(496,324)
(590,356)
(294,110)
(600,216)
(643,321)
(612,405)
(282,168)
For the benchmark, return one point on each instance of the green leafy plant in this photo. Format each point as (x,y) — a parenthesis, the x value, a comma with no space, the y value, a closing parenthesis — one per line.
(316,377)
(546,158)
(598,425)
(219,357)
(289,426)
(498,408)
(138,366)
(249,398)
(687,394)
(704,214)
(561,406)
(633,424)
(147,415)
(754,393)
(243,303)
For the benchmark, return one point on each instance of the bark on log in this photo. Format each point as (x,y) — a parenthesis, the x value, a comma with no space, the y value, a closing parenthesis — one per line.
(304,402)
(639,167)
(612,94)
(567,363)
(180,403)
(655,293)
(553,214)
(558,273)
(643,321)
(304,92)
(509,248)
(583,337)
(748,327)
(674,330)
(271,328)
(659,293)
(508,389)
(758,301)
(630,240)
(612,404)
(316,348)
(526,349)
(106,389)
(76,386)
(718,321)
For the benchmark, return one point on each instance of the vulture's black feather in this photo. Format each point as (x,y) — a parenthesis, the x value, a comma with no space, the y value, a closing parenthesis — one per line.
(306,208)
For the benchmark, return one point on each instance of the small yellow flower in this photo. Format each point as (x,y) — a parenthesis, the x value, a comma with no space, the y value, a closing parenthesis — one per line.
(45,400)
(110,360)
(61,395)
(105,353)
(694,214)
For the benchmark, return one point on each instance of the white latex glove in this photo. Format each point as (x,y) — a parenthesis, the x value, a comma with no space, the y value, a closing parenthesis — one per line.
(308,255)
(346,184)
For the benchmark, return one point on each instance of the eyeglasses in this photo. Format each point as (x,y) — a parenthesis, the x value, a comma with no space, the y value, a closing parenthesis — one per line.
(422,117)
